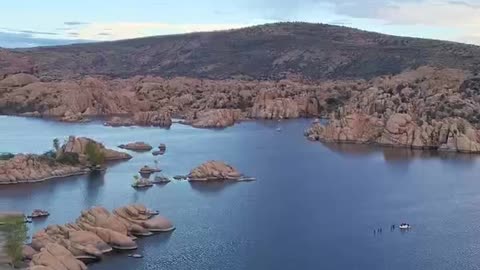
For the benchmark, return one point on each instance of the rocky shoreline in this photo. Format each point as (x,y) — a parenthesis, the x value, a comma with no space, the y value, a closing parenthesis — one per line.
(422,109)
(152,101)
(95,232)
(70,160)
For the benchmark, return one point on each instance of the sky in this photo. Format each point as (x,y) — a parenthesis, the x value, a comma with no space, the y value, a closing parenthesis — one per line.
(30,23)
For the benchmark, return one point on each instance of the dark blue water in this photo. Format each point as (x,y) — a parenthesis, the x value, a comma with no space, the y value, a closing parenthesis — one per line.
(312,207)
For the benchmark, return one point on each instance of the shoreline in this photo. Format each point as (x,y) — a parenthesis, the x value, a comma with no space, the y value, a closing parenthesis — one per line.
(33,181)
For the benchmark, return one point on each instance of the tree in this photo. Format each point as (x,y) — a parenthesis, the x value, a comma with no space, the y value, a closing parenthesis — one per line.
(56,144)
(94,154)
(15,232)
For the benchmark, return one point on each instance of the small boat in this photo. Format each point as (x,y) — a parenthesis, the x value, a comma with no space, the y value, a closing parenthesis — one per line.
(279,129)
(152,212)
(405,226)
(180,177)
(27,220)
(159,179)
(136,256)
(37,213)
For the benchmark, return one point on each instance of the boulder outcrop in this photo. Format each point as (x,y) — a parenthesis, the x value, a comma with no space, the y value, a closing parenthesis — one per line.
(426,109)
(95,232)
(449,134)
(78,145)
(149,118)
(214,171)
(57,257)
(216,118)
(34,168)
(152,101)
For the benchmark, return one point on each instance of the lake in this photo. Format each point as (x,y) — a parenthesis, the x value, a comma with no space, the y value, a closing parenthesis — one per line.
(313,206)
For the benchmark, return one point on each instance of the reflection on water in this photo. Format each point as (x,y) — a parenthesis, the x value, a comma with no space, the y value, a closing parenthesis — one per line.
(397,154)
(309,199)
(212,187)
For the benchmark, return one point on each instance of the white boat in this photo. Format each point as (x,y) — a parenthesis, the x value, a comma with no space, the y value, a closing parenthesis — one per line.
(405,226)
(279,129)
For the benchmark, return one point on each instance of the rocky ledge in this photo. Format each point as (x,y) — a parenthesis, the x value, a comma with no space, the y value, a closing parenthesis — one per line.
(136,146)
(216,171)
(78,145)
(216,118)
(424,109)
(34,168)
(94,233)
(449,134)
(146,119)
(151,101)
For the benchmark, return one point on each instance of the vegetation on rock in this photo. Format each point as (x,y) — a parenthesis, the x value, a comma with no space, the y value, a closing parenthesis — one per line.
(15,231)
(6,156)
(94,154)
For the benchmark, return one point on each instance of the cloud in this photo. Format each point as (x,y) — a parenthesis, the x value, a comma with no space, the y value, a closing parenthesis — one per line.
(31,32)
(443,14)
(126,30)
(465,3)
(36,32)
(340,22)
(450,16)
(63,28)
(24,40)
(74,23)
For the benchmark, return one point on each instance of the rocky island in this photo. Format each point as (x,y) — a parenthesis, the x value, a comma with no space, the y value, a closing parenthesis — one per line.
(216,171)
(68,160)
(95,232)
(136,146)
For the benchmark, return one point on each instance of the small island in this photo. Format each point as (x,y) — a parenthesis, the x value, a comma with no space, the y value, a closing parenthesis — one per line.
(216,171)
(136,146)
(76,157)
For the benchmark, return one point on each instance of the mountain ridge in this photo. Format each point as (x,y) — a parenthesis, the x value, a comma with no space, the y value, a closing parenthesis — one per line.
(263,52)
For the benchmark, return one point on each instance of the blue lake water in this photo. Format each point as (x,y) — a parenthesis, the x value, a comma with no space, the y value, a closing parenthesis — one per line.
(312,206)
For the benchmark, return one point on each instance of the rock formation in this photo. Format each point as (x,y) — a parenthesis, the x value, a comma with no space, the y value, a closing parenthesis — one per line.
(216,118)
(33,168)
(78,145)
(56,257)
(425,109)
(70,160)
(152,101)
(150,118)
(136,146)
(95,232)
(214,171)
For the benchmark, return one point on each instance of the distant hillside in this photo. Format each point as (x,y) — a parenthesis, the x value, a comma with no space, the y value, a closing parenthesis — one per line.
(314,51)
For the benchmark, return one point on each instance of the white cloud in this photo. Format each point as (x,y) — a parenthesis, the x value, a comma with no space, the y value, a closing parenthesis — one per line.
(125,30)
(432,13)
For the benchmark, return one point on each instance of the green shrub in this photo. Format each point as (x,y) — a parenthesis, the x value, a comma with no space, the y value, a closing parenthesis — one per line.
(50,154)
(69,158)
(6,156)
(56,144)
(94,154)
(15,231)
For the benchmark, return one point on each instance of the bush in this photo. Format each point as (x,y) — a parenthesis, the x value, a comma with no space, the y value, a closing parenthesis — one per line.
(94,154)
(15,232)
(50,154)
(69,158)
(6,156)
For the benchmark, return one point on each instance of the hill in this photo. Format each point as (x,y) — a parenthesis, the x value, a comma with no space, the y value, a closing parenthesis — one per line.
(265,52)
